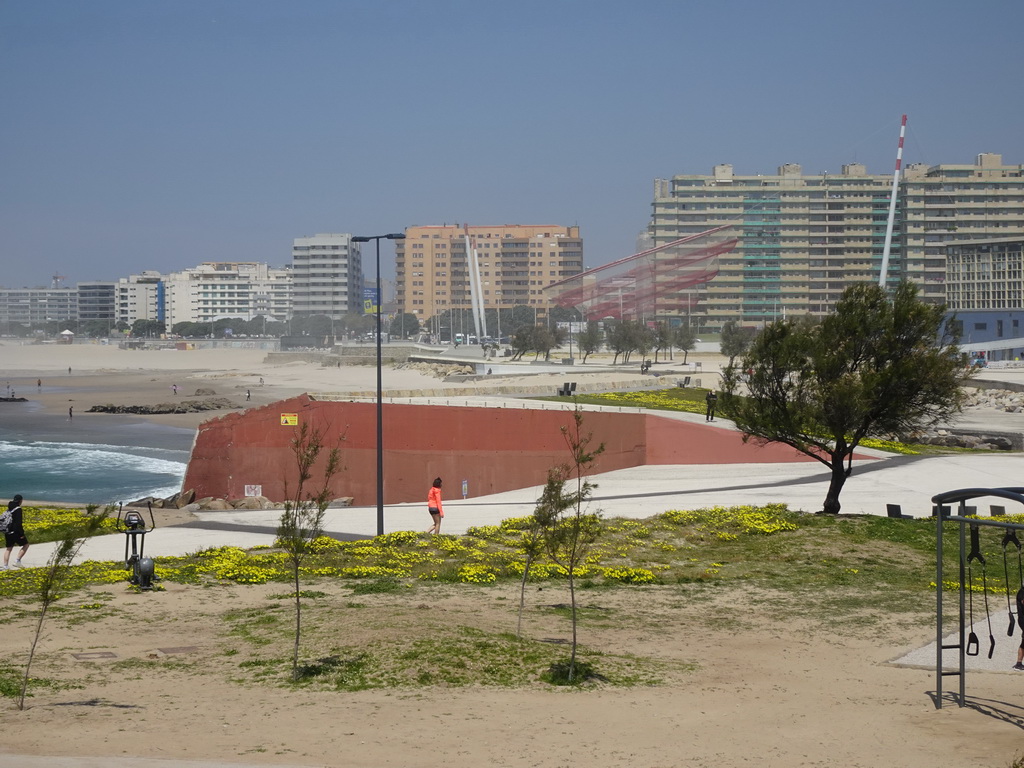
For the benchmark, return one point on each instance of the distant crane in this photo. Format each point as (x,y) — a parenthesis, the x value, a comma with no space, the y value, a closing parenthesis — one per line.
(57,280)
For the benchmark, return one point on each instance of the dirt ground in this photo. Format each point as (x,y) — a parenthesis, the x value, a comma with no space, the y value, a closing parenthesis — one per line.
(161,677)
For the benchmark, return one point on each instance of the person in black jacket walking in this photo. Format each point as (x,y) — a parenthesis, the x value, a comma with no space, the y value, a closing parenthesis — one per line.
(711,400)
(15,536)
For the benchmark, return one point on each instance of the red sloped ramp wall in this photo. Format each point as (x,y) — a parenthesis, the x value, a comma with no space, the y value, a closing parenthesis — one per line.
(494,449)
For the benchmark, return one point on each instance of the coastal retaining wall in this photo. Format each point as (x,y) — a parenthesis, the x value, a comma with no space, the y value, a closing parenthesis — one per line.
(494,449)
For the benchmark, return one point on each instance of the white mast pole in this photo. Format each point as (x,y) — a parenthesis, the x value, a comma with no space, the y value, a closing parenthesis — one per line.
(883,272)
(479,297)
(474,299)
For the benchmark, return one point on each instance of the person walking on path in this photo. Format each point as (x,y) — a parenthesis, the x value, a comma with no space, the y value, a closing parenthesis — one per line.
(248,395)
(434,506)
(14,536)
(711,400)
(1020,615)
(174,388)
(71,412)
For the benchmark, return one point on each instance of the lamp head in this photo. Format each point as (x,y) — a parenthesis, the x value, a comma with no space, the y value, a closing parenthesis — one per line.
(361,239)
(396,236)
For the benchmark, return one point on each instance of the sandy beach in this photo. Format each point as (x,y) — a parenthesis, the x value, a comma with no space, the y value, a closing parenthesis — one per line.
(83,375)
(769,687)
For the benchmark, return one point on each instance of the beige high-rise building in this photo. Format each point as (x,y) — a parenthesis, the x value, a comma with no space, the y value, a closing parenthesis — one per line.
(803,239)
(516,262)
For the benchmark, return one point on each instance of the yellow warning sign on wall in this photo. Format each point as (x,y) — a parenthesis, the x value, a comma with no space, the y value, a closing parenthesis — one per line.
(289,419)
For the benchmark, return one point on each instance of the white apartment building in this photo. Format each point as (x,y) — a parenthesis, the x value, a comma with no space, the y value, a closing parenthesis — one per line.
(140,297)
(207,292)
(327,276)
(221,289)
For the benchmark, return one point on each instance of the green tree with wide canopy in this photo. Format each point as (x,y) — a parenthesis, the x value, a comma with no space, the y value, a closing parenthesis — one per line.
(875,366)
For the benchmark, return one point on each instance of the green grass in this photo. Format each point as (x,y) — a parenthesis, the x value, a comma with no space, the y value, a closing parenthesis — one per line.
(691,400)
(453,657)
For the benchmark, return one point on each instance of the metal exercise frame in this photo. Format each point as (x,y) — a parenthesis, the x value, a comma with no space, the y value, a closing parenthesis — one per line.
(941,516)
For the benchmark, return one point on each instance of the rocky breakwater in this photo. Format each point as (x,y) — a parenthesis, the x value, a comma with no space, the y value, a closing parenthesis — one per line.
(187,500)
(184,406)
(995,399)
(988,399)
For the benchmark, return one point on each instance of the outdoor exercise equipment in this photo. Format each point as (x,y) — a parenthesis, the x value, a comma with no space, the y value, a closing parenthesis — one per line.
(1010,537)
(962,521)
(133,525)
(975,554)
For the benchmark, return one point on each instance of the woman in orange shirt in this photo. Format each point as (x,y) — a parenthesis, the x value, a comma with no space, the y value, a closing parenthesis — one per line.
(434,506)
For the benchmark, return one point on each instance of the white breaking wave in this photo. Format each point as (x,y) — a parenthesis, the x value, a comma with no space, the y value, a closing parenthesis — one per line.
(88,472)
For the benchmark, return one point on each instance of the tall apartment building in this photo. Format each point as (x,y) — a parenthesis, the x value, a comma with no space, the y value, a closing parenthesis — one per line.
(803,239)
(948,203)
(327,276)
(516,263)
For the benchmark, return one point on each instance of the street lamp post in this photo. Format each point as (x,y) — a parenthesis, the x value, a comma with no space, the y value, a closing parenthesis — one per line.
(380,401)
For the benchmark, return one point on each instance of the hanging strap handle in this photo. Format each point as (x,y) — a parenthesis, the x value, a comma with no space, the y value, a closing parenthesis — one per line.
(975,553)
(1010,537)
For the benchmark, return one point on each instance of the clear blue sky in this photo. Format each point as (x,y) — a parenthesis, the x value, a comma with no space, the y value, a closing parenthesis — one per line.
(159,134)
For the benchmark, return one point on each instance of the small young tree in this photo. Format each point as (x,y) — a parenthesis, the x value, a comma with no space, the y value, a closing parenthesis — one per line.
(874,366)
(54,577)
(567,527)
(685,340)
(589,341)
(643,339)
(545,339)
(522,341)
(302,521)
(532,544)
(663,338)
(621,339)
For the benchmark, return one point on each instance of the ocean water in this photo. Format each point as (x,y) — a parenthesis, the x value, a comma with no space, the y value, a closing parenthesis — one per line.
(88,473)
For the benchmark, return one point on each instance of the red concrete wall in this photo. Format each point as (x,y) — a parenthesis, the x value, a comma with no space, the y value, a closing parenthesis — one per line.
(494,449)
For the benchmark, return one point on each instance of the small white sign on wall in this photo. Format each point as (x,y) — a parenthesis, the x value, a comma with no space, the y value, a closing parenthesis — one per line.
(254,490)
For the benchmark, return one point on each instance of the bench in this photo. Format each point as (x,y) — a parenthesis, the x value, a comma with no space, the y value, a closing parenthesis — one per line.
(568,389)
(683,382)
(895,510)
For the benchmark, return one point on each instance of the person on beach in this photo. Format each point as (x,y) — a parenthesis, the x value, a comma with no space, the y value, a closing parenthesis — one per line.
(711,400)
(434,506)
(174,388)
(14,536)
(71,412)
(39,383)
